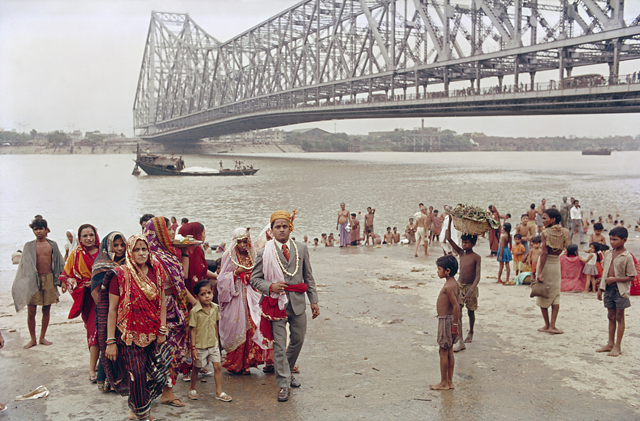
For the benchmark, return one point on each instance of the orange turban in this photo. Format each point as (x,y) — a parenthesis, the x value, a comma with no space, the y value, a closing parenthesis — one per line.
(280,214)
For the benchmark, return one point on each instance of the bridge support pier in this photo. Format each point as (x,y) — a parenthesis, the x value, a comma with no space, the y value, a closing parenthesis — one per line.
(533,80)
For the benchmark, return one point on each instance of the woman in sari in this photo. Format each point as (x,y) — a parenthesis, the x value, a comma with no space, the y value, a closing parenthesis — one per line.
(76,278)
(198,268)
(494,233)
(133,338)
(111,255)
(160,236)
(239,307)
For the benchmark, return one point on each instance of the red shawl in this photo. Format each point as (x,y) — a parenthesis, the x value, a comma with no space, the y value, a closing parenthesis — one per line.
(79,266)
(140,298)
(271,311)
(197,262)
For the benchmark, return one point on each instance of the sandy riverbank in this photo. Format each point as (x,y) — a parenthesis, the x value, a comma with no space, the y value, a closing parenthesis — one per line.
(372,354)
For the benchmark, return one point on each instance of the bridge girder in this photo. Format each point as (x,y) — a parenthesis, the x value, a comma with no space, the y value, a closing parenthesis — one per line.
(325,50)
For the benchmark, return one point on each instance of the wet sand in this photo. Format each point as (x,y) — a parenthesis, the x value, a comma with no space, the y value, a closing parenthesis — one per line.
(372,355)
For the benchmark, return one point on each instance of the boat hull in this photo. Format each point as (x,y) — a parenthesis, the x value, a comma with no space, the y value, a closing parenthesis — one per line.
(153,170)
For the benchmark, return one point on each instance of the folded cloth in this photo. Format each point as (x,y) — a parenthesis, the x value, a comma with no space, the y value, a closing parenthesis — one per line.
(272,312)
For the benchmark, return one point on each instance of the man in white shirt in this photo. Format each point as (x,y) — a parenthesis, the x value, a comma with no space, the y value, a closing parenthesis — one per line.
(576,221)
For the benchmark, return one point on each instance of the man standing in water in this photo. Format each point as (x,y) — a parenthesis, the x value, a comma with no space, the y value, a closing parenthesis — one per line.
(368,225)
(564,212)
(282,272)
(343,220)
(421,231)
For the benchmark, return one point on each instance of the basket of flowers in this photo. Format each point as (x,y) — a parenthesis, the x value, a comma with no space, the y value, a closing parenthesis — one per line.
(473,220)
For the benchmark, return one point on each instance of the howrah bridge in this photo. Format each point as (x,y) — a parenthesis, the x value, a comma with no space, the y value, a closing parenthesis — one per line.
(349,59)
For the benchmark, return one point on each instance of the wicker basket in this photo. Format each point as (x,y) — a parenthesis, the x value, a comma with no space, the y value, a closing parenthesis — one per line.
(467,226)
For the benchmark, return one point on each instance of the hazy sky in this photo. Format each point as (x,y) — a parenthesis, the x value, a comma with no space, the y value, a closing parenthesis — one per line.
(74,64)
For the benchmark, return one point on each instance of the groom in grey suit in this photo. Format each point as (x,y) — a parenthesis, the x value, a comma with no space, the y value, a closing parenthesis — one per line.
(297,270)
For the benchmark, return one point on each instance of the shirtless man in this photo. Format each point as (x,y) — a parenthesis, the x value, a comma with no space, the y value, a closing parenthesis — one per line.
(527,232)
(411,231)
(396,235)
(368,225)
(468,280)
(388,236)
(429,226)
(539,213)
(421,232)
(343,220)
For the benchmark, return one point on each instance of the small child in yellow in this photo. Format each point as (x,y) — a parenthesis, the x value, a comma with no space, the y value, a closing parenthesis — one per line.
(518,252)
(204,339)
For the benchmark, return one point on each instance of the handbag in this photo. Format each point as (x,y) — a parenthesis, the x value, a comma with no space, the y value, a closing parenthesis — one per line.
(540,289)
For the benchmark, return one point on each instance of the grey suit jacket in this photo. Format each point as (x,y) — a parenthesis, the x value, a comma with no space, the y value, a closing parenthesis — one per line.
(304,274)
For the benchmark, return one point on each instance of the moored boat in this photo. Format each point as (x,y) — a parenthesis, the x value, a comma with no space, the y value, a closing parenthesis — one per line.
(601,151)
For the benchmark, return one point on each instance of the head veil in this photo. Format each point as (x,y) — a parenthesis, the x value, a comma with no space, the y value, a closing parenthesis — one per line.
(73,243)
(106,259)
(157,235)
(238,234)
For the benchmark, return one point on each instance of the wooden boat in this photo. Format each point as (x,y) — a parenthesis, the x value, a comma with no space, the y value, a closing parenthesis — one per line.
(163,165)
(601,151)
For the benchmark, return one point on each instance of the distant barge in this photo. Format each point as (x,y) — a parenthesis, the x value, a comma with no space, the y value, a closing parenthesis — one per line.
(164,165)
(601,151)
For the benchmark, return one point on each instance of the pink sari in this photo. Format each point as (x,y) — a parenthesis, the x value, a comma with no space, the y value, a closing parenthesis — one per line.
(571,271)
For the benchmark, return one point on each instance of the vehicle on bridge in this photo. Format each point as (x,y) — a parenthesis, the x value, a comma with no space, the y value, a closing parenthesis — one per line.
(583,81)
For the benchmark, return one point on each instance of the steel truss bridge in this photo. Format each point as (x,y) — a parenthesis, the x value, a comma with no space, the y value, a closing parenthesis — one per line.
(347,59)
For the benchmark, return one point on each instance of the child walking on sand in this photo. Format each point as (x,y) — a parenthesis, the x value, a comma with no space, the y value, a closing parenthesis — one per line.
(204,339)
(448,320)
(470,264)
(504,252)
(590,269)
(518,254)
(618,273)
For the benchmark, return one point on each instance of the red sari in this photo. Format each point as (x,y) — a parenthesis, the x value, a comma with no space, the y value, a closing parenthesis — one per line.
(197,262)
(79,266)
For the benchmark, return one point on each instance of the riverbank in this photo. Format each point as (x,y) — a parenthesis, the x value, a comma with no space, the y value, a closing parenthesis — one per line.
(371,355)
(154,148)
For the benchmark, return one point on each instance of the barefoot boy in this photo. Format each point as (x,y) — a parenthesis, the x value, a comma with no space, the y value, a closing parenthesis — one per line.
(204,339)
(467,281)
(617,274)
(36,280)
(534,254)
(448,319)
(388,236)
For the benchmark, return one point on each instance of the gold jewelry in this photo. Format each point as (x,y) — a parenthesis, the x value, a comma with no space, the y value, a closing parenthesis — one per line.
(238,263)
(297,261)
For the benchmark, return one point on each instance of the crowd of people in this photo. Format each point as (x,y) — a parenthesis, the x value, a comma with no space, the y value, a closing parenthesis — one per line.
(154,311)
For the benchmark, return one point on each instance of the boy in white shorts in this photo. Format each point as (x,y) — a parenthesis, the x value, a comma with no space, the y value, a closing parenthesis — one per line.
(204,339)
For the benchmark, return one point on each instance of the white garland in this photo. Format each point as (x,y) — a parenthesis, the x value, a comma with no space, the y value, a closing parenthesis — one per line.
(297,260)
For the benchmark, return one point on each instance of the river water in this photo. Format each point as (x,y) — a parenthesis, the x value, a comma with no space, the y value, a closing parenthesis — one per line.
(69,190)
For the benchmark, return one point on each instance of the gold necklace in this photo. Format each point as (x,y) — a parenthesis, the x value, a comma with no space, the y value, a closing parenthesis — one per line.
(239,265)
(280,263)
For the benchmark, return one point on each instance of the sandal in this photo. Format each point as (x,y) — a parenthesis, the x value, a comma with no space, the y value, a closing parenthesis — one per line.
(193,395)
(93,378)
(101,386)
(296,369)
(224,397)
(174,402)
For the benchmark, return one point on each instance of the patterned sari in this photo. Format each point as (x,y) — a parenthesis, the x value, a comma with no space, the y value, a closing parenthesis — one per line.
(160,244)
(141,368)
(239,312)
(79,266)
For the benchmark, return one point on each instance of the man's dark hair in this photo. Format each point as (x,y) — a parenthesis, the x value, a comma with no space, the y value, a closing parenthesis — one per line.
(198,286)
(388,228)
(518,236)
(554,214)
(620,232)
(598,226)
(353,215)
(185,220)
(508,215)
(536,239)
(448,262)
(471,238)
(533,206)
(145,218)
(420,204)
(316,239)
(38,223)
